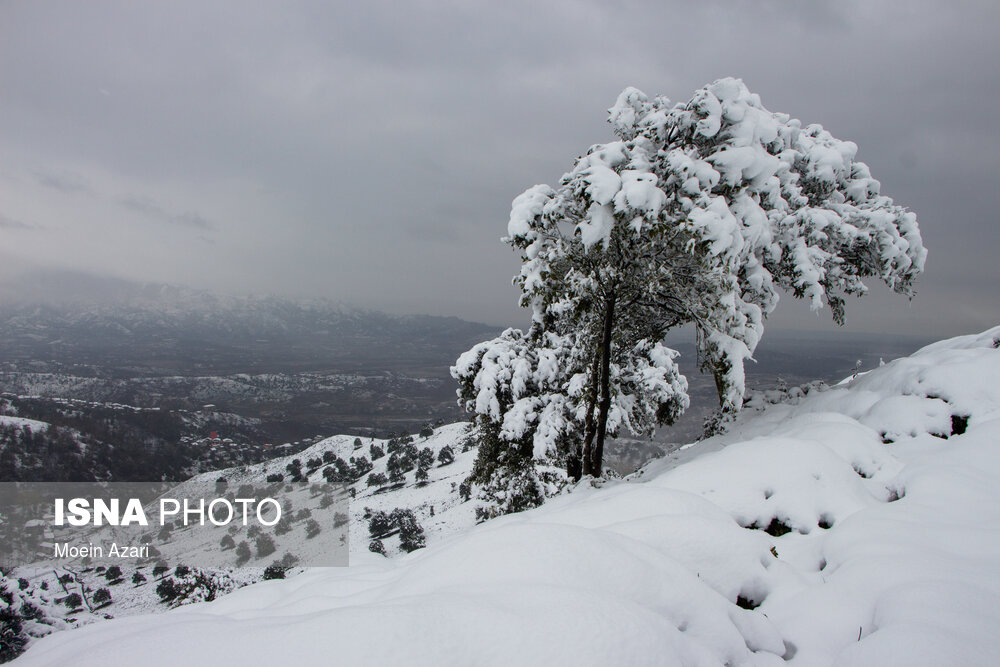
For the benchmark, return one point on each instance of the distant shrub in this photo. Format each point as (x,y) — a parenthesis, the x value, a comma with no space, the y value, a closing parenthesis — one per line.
(167,590)
(379,525)
(446,455)
(265,546)
(102,596)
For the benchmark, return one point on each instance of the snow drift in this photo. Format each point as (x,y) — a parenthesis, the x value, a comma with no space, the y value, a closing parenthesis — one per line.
(857,526)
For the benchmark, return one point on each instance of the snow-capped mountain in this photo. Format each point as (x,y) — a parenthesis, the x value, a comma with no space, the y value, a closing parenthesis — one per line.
(162,327)
(851,526)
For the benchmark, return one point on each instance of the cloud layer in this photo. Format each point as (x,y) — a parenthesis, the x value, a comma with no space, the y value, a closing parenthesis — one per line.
(369,152)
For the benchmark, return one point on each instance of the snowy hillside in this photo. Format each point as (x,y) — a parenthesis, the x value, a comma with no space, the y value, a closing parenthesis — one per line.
(853,526)
(435,502)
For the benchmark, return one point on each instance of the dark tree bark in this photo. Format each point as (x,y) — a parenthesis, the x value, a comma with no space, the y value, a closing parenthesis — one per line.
(597,465)
(581,466)
(593,451)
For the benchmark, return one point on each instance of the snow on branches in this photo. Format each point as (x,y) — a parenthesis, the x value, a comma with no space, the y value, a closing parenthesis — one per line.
(536,389)
(700,213)
(762,203)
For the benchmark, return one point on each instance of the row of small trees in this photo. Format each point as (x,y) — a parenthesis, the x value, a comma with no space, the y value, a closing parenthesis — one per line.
(406,458)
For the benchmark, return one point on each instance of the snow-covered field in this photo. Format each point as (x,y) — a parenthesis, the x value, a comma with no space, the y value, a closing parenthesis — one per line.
(858,526)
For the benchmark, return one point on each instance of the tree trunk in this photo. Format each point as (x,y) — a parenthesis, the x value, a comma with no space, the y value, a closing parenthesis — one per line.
(581,466)
(597,463)
(593,448)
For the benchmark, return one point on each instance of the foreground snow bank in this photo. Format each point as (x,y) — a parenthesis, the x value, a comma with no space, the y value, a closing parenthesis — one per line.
(863,524)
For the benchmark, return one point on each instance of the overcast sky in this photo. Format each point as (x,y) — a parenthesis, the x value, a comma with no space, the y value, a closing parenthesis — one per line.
(368,152)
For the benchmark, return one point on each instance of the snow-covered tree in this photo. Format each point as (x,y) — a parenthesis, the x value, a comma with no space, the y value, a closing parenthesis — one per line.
(411,534)
(422,475)
(242,553)
(379,524)
(377,479)
(102,596)
(265,546)
(700,213)
(446,455)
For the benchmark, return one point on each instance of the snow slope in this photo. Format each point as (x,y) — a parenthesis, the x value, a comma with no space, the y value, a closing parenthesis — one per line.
(881,500)
(436,504)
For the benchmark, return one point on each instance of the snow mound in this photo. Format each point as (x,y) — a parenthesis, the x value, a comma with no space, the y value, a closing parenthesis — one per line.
(858,526)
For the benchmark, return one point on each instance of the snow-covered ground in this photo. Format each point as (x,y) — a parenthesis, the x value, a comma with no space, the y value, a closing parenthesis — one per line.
(435,503)
(858,526)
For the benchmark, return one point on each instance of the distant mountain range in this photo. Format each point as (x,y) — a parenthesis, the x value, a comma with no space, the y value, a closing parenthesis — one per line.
(159,329)
(342,367)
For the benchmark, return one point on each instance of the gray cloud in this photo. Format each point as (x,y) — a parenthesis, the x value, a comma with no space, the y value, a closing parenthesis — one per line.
(369,152)
(12,224)
(151,208)
(62,181)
